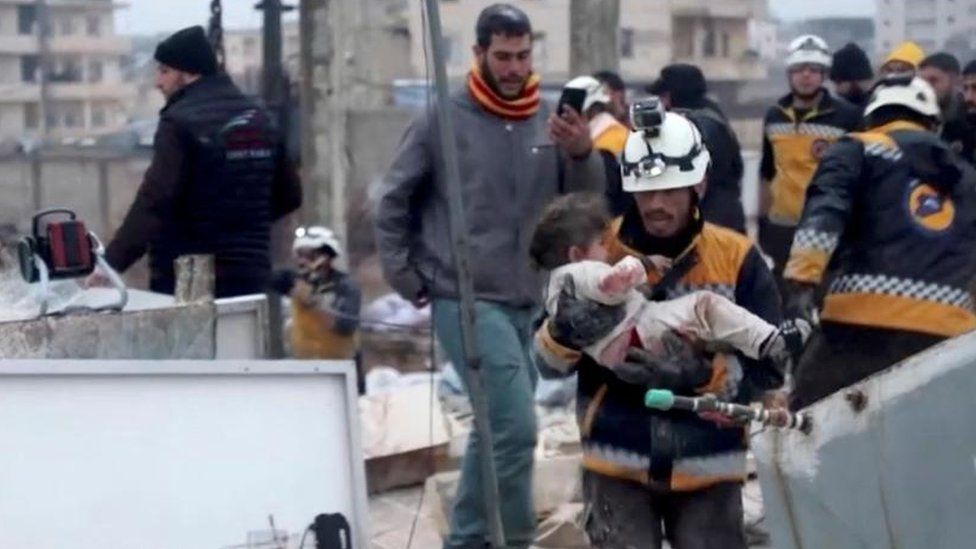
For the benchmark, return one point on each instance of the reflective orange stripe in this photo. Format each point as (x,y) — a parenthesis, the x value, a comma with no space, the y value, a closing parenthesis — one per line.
(806,266)
(898,313)
(591,411)
(689,483)
(616,471)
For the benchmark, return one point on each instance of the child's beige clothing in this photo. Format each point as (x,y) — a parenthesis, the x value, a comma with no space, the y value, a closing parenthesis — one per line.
(704,316)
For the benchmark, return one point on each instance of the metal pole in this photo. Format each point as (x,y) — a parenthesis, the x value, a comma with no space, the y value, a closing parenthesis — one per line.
(479,402)
(271,72)
(275,95)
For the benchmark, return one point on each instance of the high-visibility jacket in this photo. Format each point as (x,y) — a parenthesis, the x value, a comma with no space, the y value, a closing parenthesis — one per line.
(898,208)
(793,146)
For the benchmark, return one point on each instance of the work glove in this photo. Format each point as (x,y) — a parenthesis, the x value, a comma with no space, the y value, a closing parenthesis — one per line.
(582,322)
(680,367)
(801,302)
(788,342)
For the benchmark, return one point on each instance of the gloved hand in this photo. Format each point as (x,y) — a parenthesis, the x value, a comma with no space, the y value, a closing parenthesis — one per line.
(581,322)
(789,341)
(801,302)
(681,367)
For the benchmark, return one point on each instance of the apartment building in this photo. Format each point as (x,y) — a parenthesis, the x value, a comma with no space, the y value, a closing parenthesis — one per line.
(714,34)
(933,24)
(243,50)
(65,82)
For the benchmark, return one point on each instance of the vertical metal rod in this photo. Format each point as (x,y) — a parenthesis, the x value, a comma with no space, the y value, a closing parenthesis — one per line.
(458,225)
(271,72)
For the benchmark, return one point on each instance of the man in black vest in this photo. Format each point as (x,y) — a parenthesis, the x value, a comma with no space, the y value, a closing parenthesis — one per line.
(218,179)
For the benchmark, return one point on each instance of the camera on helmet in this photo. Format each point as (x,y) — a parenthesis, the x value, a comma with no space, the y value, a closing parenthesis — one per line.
(647,115)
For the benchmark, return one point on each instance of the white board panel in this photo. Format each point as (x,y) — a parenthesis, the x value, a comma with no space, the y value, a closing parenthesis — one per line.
(166,454)
(242,327)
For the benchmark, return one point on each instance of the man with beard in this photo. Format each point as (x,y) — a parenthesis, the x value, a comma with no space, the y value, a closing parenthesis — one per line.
(851,74)
(969,91)
(941,71)
(797,132)
(650,475)
(510,170)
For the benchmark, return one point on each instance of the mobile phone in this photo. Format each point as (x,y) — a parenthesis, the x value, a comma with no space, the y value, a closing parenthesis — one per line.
(574,97)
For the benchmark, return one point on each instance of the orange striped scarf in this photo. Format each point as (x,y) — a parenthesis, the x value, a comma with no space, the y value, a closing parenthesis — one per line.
(520,108)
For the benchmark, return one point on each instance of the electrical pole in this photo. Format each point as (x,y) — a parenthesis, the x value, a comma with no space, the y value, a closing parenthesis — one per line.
(594,26)
(459,230)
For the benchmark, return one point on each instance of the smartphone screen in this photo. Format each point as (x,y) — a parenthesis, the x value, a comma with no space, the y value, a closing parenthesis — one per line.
(573,97)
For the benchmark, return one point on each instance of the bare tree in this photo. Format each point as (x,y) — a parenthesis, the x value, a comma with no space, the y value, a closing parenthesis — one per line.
(594,28)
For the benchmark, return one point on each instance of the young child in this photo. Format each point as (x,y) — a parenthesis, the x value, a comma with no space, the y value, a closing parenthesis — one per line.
(568,241)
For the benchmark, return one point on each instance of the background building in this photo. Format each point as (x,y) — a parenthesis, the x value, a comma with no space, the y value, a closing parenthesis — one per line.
(933,24)
(66,82)
(713,34)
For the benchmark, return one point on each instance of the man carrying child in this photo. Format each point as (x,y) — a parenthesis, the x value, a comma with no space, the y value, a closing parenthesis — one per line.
(652,475)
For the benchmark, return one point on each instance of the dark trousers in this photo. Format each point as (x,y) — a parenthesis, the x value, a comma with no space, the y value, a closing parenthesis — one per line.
(776,241)
(840,355)
(626,515)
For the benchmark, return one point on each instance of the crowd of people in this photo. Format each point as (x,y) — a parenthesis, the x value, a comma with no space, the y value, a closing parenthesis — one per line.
(641,275)
(610,244)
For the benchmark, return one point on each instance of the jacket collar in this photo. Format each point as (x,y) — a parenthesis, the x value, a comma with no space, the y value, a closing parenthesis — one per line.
(824,106)
(201,85)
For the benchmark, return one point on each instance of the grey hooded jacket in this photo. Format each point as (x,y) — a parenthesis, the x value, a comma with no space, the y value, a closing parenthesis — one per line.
(506,180)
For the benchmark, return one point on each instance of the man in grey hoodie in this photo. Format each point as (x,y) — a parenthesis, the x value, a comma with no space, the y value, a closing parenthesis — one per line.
(514,156)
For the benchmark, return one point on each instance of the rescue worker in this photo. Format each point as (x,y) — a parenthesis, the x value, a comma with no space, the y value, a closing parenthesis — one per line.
(325,302)
(500,122)
(652,475)
(606,132)
(942,72)
(895,206)
(796,133)
(218,179)
(608,136)
(851,74)
(683,89)
(904,59)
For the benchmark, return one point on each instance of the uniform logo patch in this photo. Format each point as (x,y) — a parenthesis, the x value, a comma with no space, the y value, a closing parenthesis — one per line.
(818,148)
(930,208)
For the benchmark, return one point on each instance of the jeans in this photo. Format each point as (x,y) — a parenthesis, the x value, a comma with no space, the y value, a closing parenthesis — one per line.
(504,339)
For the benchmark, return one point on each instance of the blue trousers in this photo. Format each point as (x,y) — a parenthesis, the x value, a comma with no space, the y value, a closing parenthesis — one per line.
(504,339)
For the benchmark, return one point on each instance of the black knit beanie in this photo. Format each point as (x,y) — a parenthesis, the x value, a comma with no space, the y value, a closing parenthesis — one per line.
(684,82)
(188,50)
(850,64)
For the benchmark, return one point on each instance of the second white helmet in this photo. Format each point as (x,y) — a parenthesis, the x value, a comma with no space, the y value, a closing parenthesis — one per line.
(316,237)
(909,92)
(673,158)
(596,91)
(811,49)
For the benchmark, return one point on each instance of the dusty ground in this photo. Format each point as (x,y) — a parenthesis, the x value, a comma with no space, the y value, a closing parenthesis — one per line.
(391,516)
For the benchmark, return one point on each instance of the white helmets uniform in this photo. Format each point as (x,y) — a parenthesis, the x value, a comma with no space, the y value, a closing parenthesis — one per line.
(596,91)
(673,157)
(809,49)
(915,94)
(316,237)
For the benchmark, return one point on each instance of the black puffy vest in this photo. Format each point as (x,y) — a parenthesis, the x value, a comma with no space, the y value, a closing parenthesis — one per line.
(224,207)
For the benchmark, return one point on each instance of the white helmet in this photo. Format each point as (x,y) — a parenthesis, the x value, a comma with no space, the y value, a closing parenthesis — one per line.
(905,91)
(596,91)
(673,157)
(316,237)
(809,48)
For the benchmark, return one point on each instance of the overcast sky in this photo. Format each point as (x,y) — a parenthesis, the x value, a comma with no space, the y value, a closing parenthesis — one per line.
(153,16)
